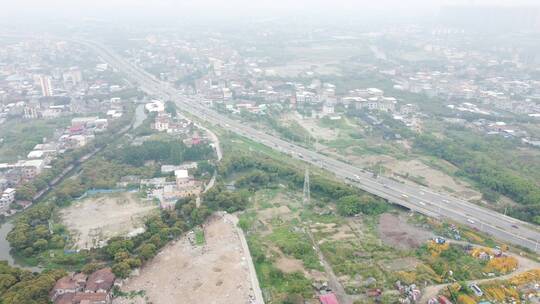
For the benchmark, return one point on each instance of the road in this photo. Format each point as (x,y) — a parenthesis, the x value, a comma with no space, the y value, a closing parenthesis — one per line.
(420,199)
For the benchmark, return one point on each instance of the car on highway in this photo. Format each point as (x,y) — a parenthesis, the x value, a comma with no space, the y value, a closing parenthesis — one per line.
(356,176)
(470,220)
(515,226)
(404,196)
(422,203)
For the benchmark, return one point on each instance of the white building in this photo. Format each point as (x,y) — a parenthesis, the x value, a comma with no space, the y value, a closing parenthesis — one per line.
(155,106)
(8,197)
(328,109)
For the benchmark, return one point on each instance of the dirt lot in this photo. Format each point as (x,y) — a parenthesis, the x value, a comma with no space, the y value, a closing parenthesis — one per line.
(217,272)
(433,177)
(94,220)
(268,214)
(395,231)
(310,124)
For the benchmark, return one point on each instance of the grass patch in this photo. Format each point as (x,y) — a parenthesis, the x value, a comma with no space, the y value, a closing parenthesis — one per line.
(20,136)
(199,237)
(276,285)
(293,241)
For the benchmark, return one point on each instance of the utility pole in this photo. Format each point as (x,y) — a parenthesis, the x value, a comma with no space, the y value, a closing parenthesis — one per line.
(307,194)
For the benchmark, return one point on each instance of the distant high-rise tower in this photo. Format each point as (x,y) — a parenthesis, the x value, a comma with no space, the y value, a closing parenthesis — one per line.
(46,85)
(307,194)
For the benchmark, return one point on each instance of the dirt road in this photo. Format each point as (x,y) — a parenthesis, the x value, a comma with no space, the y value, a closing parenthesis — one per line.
(333,281)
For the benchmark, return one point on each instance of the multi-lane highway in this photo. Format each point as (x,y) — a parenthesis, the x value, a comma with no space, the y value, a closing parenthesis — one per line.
(420,199)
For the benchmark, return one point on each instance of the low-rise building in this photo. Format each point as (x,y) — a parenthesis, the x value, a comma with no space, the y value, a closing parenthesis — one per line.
(7,197)
(80,289)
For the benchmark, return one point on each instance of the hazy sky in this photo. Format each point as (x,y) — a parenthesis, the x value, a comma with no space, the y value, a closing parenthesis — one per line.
(22,9)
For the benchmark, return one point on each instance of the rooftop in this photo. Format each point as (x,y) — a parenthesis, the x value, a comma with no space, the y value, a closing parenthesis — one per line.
(101,279)
(181,173)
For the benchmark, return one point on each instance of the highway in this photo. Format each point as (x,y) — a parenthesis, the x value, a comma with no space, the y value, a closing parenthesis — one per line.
(417,198)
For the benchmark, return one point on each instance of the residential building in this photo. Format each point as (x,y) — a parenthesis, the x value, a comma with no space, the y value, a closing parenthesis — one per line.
(46,86)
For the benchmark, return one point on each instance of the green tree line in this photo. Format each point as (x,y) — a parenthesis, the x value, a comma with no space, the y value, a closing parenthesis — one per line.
(19,286)
(488,173)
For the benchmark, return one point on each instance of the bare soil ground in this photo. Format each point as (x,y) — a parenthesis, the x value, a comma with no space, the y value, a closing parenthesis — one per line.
(395,231)
(270,213)
(289,265)
(316,131)
(335,232)
(217,272)
(433,178)
(406,263)
(368,160)
(94,220)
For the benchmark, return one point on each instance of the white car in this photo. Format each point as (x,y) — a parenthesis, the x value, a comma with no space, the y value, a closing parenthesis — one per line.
(422,203)
(356,176)
(470,221)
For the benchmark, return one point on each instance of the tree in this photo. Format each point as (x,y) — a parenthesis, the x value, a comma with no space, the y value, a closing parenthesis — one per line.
(116,245)
(134,262)
(6,281)
(40,244)
(26,192)
(121,269)
(57,242)
(170,108)
(147,251)
(348,205)
(90,268)
(121,256)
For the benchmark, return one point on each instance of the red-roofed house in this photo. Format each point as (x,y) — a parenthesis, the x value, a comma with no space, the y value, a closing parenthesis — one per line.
(100,281)
(66,298)
(328,298)
(63,286)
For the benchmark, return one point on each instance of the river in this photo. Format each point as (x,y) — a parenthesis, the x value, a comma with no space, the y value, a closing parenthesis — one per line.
(5,249)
